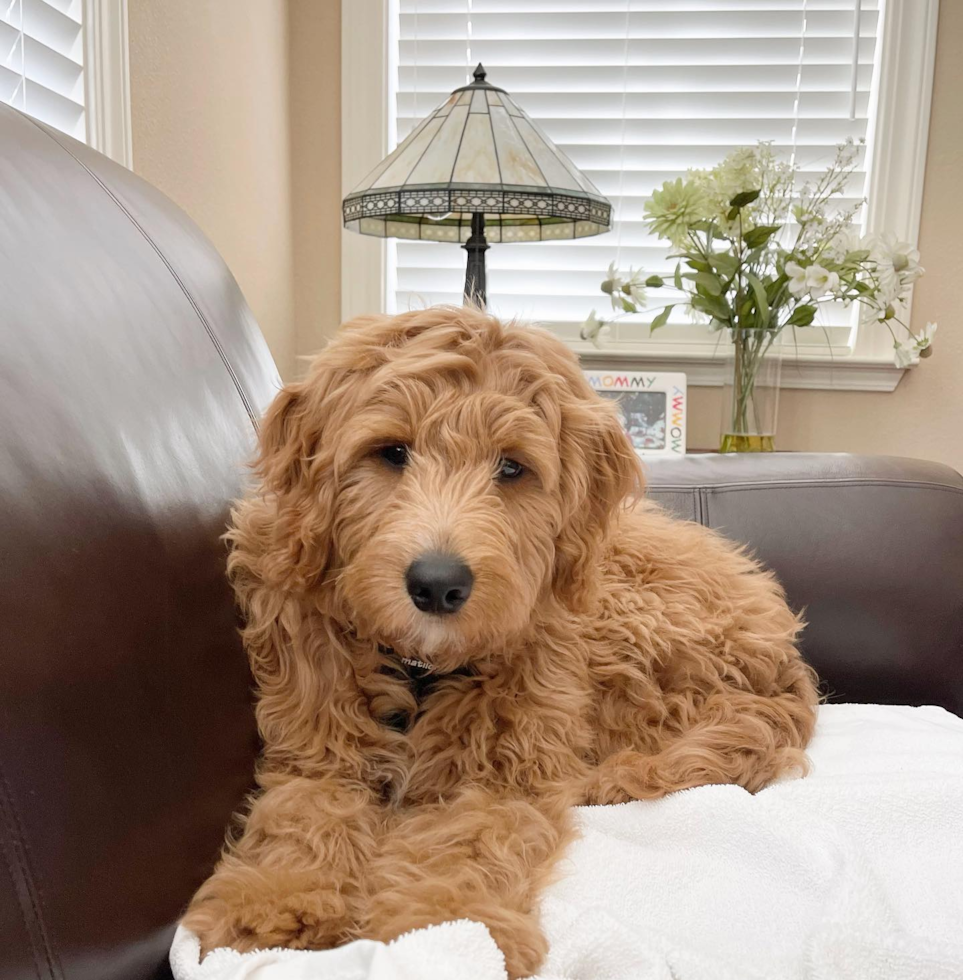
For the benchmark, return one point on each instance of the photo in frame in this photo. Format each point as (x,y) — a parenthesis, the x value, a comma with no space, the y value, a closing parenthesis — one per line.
(653,406)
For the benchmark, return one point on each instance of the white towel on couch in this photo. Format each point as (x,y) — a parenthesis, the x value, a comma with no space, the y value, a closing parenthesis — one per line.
(854,873)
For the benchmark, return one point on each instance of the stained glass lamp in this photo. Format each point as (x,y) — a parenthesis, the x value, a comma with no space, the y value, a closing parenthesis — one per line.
(477,170)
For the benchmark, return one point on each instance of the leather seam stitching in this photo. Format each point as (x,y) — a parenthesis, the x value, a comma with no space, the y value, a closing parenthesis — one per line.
(157,251)
(32,918)
(794,484)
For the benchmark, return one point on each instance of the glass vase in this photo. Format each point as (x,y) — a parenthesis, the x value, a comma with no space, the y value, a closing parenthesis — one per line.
(751,392)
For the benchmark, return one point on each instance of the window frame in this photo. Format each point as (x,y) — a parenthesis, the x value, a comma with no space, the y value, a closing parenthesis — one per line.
(899,133)
(107,79)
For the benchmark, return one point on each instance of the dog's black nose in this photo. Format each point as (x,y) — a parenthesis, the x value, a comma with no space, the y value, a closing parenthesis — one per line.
(439,584)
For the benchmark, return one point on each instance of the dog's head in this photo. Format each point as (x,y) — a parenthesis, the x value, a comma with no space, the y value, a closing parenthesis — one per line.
(437,477)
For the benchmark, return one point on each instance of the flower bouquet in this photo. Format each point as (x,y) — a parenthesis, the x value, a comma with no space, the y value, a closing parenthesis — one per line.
(756,256)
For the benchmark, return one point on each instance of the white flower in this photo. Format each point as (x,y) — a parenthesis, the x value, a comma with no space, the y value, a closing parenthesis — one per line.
(740,171)
(612,285)
(925,338)
(901,255)
(797,278)
(885,296)
(634,287)
(889,291)
(904,355)
(897,263)
(820,281)
(595,330)
(674,207)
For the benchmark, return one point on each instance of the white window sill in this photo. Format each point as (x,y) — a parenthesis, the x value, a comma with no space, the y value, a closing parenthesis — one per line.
(706,368)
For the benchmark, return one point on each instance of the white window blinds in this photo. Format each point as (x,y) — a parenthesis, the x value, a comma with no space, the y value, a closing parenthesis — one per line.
(635,92)
(41,61)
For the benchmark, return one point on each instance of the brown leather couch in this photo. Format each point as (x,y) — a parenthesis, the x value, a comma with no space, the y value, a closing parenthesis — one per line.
(131,380)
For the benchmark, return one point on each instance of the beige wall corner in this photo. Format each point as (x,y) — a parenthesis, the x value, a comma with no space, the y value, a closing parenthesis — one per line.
(315,113)
(923,418)
(209,113)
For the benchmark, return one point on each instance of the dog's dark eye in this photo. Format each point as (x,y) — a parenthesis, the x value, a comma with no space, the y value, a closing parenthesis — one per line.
(508,469)
(395,455)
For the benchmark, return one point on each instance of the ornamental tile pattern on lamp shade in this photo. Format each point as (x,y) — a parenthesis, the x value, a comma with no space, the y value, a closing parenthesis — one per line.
(477,153)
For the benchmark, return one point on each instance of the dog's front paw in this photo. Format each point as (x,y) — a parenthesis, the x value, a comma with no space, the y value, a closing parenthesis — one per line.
(300,920)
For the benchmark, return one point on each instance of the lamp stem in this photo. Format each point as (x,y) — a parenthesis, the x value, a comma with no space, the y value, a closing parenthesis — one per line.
(476,291)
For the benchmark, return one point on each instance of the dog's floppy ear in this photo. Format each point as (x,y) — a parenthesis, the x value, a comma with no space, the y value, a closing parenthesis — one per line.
(281,448)
(600,472)
(297,478)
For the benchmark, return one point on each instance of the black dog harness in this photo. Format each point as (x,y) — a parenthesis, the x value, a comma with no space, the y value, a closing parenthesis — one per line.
(420,677)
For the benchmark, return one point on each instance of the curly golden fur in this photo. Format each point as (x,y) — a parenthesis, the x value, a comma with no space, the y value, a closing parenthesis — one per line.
(611,653)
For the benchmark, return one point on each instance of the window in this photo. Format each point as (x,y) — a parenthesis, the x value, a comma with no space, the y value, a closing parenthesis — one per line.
(42,61)
(65,63)
(636,92)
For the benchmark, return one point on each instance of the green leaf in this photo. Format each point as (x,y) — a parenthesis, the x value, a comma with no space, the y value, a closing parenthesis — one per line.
(697,264)
(802,316)
(773,287)
(629,306)
(678,275)
(701,303)
(709,283)
(760,235)
(662,318)
(860,255)
(715,306)
(762,304)
(732,214)
(655,282)
(725,263)
(746,197)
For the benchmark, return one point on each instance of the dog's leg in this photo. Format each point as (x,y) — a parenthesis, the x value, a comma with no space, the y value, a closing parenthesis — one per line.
(746,739)
(479,858)
(292,877)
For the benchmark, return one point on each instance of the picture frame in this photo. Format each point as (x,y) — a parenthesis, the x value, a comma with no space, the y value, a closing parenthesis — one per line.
(653,406)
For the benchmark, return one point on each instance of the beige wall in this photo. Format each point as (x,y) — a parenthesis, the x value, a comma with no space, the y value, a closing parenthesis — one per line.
(315,112)
(236,107)
(924,416)
(209,108)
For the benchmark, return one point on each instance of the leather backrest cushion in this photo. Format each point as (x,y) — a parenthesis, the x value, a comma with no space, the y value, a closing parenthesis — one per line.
(131,378)
(870,549)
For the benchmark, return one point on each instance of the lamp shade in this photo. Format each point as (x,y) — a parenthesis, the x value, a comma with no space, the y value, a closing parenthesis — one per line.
(478,153)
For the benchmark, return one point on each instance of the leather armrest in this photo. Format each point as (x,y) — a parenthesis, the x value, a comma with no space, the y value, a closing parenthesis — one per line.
(870,548)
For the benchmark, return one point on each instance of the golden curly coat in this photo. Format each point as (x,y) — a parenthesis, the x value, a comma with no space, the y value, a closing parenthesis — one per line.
(606,652)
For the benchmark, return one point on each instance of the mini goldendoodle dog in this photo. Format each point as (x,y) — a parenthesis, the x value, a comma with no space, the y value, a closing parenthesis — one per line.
(462,621)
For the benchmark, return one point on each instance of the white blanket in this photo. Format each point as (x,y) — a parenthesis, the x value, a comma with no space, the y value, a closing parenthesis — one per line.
(854,873)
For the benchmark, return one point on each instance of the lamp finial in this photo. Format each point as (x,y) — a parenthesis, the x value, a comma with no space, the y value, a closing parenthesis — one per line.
(480,73)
